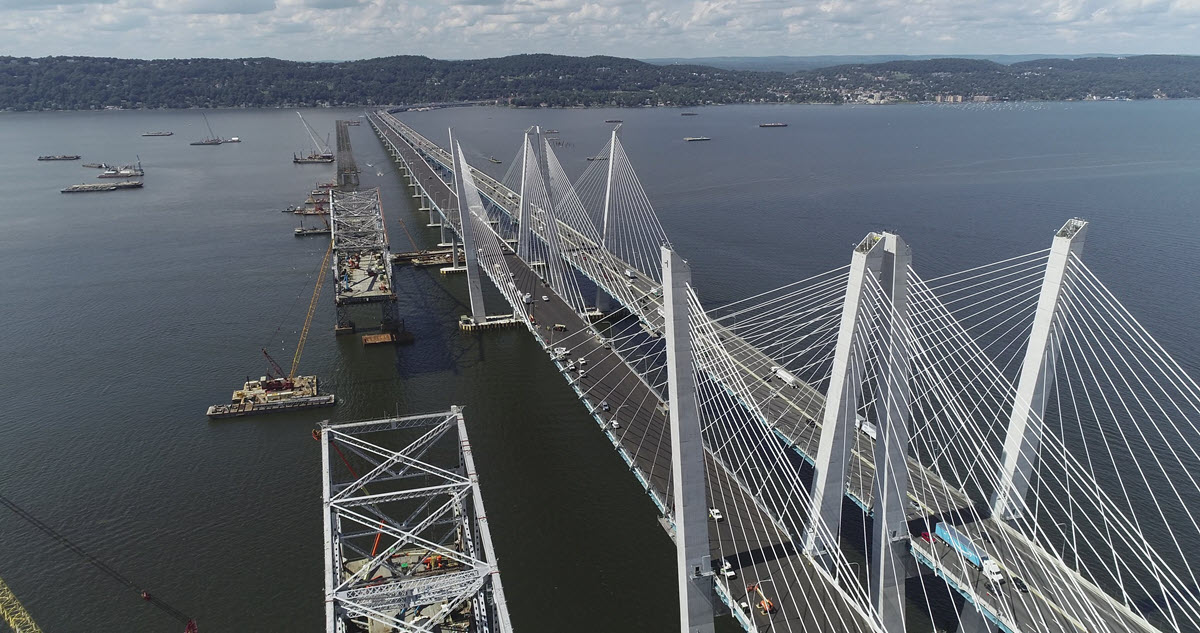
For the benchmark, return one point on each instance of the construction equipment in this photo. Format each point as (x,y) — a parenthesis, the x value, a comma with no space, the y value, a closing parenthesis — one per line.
(14,614)
(312,308)
(765,606)
(190,624)
(280,381)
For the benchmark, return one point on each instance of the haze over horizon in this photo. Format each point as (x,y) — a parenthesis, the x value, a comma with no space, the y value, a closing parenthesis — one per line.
(315,30)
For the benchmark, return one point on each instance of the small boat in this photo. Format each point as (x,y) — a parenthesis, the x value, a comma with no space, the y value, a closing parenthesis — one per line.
(550,131)
(691,139)
(378,173)
(597,158)
(157,133)
(234,139)
(772,125)
(60,157)
(495,160)
(613,121)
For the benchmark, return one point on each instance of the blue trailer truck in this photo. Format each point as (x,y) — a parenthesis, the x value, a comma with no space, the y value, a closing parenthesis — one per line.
(973,553)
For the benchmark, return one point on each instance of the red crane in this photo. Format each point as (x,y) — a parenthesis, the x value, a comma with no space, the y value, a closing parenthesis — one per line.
(279,380)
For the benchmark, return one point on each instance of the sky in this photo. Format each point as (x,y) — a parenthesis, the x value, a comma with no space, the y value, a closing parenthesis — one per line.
(467,29)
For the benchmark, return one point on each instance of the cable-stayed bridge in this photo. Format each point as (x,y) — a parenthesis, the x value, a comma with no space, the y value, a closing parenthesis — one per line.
(1016,450)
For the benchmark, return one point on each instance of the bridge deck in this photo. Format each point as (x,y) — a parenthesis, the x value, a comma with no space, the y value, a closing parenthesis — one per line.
(643,442)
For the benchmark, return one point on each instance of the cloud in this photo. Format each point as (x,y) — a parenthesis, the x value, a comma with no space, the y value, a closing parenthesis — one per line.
(223,7)
(458,29)
(332,4)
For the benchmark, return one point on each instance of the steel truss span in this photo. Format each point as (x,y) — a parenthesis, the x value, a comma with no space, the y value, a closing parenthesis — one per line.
(407,544)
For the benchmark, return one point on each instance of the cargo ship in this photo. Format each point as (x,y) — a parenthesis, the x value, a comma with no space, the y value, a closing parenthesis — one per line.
(60,157)
(691,139)
(157,133)
(772,125)
(103,186)
(271,395)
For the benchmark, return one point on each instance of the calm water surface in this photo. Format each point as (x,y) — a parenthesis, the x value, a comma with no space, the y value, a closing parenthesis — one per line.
(125,314)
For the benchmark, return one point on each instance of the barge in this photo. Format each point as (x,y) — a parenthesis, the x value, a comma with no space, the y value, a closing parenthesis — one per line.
(103,186)
(272,395)
(60,157)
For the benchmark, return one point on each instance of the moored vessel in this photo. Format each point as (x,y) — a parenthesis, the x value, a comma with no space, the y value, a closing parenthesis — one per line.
(125,171)
(103,186)
(271,395)
(60,157)
(211,139)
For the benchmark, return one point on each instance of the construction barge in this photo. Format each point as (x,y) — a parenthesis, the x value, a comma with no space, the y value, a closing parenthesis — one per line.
(272,395)
(103,186)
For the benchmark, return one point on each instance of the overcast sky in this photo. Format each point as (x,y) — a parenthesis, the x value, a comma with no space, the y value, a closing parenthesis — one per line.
(463,29)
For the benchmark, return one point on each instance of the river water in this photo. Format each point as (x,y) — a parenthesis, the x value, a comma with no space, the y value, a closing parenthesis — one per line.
(125,314)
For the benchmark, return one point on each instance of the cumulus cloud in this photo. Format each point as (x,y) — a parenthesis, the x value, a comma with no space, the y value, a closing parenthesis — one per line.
(458,29)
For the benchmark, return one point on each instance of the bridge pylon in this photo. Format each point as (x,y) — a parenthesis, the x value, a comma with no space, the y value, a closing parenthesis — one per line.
(882,260)
(467,228)
(693,556)
(1024,437)
(841,405)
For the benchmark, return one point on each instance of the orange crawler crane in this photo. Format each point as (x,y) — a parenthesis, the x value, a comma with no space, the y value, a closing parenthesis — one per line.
(765,606)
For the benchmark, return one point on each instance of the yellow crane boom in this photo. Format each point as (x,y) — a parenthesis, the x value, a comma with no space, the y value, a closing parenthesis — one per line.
(15,614)
(312,308)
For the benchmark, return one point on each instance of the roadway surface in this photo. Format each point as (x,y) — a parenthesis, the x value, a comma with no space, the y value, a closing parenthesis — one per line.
(755,548)
(793,414)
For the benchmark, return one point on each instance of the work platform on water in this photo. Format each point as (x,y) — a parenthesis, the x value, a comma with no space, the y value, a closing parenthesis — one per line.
(407,540)
(793,412)
(362,263)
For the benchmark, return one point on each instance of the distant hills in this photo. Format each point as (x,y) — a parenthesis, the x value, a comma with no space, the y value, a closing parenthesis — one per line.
(791,64)
(52,83)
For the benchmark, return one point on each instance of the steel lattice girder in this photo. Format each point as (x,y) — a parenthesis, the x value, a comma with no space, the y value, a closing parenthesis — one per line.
(451,499)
